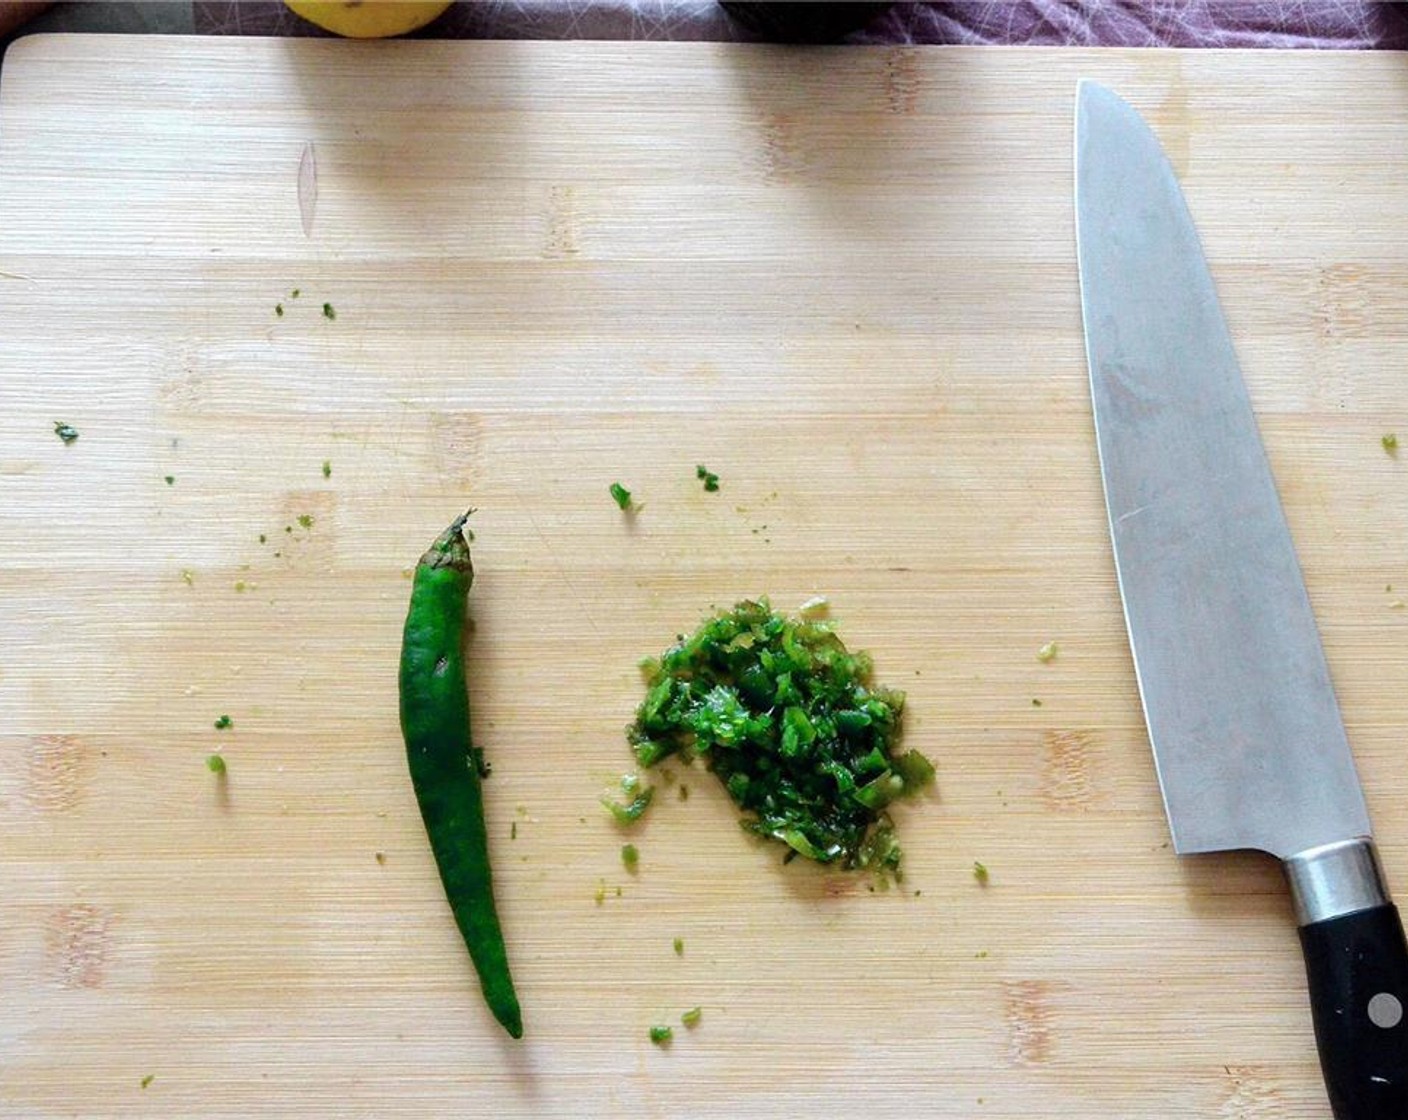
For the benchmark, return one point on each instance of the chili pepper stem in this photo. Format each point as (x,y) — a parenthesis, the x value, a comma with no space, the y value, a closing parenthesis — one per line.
(451,548)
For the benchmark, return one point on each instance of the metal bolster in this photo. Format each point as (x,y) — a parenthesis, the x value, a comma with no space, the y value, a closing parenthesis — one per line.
(1333,880)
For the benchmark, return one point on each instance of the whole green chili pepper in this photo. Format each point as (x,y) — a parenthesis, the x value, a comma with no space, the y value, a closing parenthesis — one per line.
(445,768)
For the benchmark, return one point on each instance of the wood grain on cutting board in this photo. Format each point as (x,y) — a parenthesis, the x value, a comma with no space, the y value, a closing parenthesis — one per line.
(845,280)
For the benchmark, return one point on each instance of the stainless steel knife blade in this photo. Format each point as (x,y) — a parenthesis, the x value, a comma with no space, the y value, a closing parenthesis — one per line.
(1247,736)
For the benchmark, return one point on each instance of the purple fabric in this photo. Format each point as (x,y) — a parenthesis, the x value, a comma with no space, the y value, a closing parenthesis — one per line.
(1162,23)
(1315,24)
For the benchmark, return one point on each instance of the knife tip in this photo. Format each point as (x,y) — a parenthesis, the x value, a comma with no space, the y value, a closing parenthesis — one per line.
(1088,89)
(1099,108)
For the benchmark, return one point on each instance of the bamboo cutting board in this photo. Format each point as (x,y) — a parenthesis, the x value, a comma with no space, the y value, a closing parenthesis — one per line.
(845,280)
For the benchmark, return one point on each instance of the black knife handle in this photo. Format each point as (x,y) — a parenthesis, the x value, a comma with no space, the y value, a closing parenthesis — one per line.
(1357,965)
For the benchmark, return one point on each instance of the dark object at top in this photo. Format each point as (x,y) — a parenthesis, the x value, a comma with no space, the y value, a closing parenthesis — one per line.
(804,23)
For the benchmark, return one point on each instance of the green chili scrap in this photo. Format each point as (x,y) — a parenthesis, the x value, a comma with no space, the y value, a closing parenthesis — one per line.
(66,432)
(223,723)
(788,721)
(629,814)
(661,1035)
(620,495)
(708,477)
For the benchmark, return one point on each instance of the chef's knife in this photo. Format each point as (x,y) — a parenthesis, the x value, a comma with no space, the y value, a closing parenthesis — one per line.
(1247,737)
